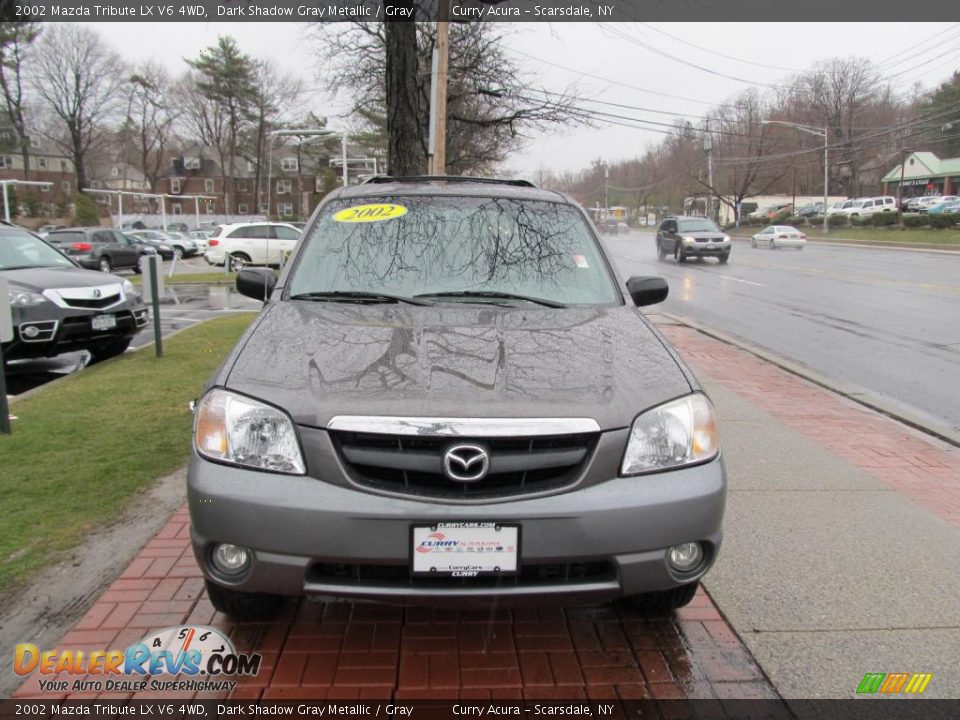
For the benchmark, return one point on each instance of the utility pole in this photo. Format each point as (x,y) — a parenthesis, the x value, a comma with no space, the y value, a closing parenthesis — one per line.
(438,107)
(708,146)
(606,187)
(903,165)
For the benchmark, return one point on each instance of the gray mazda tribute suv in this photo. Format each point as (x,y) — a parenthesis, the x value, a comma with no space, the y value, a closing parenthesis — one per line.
(449,397)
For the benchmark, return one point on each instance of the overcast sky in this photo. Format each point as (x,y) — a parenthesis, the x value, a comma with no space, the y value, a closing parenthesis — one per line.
(623,71)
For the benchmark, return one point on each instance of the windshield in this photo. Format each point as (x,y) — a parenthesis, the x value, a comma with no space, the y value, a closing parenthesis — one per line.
(420,245)
(701,225)
(20,249)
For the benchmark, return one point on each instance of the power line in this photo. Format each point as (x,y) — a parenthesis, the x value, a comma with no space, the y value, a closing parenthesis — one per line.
(613,82)
(663,53)
(925,41)
(720,54)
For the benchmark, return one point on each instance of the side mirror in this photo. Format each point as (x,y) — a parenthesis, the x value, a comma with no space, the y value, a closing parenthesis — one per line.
(647,290)
(256,283)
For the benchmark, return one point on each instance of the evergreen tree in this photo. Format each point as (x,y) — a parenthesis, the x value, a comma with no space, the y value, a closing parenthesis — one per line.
(227,77)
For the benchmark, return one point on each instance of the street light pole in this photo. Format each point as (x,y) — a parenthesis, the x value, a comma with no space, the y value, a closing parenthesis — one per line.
(826,158)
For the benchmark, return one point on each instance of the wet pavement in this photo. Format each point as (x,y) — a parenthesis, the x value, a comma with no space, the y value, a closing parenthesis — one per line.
(884,323)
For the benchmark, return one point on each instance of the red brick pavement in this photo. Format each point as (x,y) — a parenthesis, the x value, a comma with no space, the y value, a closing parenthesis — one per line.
(344,650)
(332,650)
(922,468)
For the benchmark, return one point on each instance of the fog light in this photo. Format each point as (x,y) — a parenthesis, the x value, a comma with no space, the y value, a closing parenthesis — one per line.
(230,559)
(685,557)
(30,331)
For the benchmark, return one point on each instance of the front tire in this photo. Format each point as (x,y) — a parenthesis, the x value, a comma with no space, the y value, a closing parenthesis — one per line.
(105,264)
(724,258)
(237,261)
(665,601)
(243,605)
(753,242)
(661,253)
(679,255)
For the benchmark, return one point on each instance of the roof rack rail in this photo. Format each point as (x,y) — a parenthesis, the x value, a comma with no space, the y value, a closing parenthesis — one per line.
(383,179)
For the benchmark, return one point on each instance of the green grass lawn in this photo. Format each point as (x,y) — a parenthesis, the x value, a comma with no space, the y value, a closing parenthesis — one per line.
(907,236)
(180,278)
(83,447)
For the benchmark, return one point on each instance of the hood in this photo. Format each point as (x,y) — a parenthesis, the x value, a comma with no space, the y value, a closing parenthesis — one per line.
(320,360)
(40,279)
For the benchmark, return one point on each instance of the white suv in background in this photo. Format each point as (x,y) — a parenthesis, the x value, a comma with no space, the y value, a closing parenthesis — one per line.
(256,243)
(871,206)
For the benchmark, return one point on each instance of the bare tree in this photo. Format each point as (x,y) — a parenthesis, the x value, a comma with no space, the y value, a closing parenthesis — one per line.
(149,121)
(203,119)
(274,93)
(15,39)
(492,107)
(76,78)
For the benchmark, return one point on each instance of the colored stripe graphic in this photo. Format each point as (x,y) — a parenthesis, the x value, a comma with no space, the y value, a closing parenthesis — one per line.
(893,683)
(870,683)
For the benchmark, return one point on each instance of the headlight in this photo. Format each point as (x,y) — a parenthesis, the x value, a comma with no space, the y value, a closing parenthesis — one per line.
(726,238)
(235,429)
(680,432)
(688,239)
(128,288)
(23,298)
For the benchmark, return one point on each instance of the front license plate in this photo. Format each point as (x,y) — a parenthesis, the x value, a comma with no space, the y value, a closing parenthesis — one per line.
(103,322)
(465,549)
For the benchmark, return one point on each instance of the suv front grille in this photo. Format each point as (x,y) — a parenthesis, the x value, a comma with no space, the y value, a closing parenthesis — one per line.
(399,576)
(413,465)
(92,303)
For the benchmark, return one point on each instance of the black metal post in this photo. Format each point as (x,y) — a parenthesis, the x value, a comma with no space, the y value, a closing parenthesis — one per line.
(155,301)
(5,428)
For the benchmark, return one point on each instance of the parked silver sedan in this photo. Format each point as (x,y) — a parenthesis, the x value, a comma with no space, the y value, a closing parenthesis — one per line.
(779,236)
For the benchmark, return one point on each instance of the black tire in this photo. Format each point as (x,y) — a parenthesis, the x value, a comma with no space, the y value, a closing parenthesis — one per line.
(661,253)
(753,242)
(665,601)
(242,605)
(105,264)
(136,269)
(109,350)
(724,258)
(678,254)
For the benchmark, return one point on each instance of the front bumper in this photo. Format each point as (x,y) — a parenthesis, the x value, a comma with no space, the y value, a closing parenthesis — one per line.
(66,331)
(709,249)
(299,527)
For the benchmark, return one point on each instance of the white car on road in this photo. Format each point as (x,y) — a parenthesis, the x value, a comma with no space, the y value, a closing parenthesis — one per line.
(255,243)
(778,236)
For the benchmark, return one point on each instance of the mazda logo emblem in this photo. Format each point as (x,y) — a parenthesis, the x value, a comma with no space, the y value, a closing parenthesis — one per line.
(466,463)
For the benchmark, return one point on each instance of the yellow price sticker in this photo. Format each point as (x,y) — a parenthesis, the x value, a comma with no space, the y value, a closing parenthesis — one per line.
(370,213)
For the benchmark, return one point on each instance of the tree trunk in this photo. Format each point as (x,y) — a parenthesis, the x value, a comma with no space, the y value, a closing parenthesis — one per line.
(404,149)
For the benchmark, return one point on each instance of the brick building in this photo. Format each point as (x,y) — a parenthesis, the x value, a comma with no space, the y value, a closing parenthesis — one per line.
(47,164)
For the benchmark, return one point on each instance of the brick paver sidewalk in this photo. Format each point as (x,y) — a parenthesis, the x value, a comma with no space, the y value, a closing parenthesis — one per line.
(922,468)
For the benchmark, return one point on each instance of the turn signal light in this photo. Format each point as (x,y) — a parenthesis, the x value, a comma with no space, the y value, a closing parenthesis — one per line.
(213,243)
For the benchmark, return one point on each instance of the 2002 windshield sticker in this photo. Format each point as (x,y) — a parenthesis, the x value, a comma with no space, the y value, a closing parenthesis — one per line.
(370,213)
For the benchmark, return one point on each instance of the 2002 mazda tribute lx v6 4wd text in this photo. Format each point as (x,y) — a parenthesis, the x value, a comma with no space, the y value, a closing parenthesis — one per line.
(449,398)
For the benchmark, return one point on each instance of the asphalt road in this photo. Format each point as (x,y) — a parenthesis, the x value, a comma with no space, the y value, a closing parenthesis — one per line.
(883,322)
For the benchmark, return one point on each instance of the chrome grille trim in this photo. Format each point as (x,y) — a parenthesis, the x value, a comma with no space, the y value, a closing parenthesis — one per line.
(62,297)
(462,427)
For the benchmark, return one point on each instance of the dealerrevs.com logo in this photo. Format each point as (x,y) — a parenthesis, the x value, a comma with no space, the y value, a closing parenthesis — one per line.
(198,652)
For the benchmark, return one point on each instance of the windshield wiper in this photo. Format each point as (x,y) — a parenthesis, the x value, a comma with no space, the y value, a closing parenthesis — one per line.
(357,295)
(494,294)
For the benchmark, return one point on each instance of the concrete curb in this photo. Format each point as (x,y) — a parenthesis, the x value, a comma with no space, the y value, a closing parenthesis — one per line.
(947,434)
(840,242)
